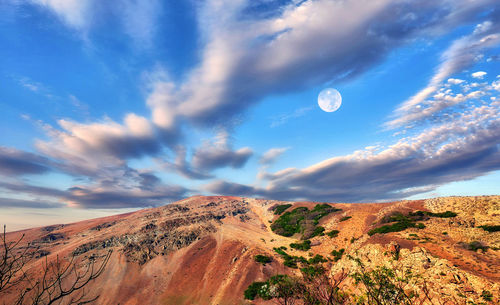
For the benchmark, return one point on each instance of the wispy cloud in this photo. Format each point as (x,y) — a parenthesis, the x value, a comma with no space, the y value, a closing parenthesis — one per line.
(284,118)
(272,155)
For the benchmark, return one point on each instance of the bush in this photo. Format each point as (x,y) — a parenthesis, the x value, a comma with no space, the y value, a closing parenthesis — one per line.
(263,259)
(318,231)
(491,229)
(474,246)
(292,261)
(317,259)
(278,210)
(304,246)
(255,289)
(337,255)
(487,296)
(333,233)
(345,218)
(312,271)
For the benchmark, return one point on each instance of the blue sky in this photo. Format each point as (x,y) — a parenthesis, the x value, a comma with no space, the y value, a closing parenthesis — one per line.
(107,107)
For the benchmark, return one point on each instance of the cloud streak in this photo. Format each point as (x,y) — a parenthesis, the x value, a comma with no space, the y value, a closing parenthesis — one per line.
(14,162)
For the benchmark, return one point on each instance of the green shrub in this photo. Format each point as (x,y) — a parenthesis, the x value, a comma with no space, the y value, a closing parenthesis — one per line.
(420,226)
(317,259)
(263,259)
(290,222)
(487,296)
(490,229)
(333,233)
(345,218)
(318,231)
(304,246)
(290,260)
(337,255)
(278,210)
(447,214)
(255,289)
(420,215)
(312,271)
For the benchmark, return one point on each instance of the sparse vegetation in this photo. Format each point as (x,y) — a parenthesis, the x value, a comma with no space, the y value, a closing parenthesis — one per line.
(58,281)
(333,233)
(337,255)
(474,246)
(487,296)
(400,223)
(279,209)
(318,231)
(317,259)
(255,289)
(488,228)
(301,220)
(447,214)
(396,227)
(345,218)
(304,246)
(259,258)
(380,285)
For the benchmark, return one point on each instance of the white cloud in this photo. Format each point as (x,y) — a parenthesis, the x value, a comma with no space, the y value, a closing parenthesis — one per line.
(455,81)
(479,74)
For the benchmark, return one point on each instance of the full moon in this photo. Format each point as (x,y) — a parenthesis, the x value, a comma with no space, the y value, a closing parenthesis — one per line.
(329,100)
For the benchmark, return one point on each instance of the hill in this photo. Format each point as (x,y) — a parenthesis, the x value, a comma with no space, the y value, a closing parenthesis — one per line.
(202,250)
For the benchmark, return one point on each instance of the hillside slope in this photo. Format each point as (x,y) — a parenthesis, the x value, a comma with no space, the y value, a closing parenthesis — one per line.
(201,250)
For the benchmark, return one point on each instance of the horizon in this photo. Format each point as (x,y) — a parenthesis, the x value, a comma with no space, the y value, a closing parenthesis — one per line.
(107,109)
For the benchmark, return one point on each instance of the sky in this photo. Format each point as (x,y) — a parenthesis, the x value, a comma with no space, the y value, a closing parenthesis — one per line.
(111,106)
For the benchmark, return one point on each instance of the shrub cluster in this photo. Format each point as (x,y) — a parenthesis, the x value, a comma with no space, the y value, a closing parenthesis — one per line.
(279,209)
(318,231)
(333,233)
(259,258)
(400,222)
(337,255)
(304,246)
(447,214)
(302,220)
(491,229)
(474,246)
